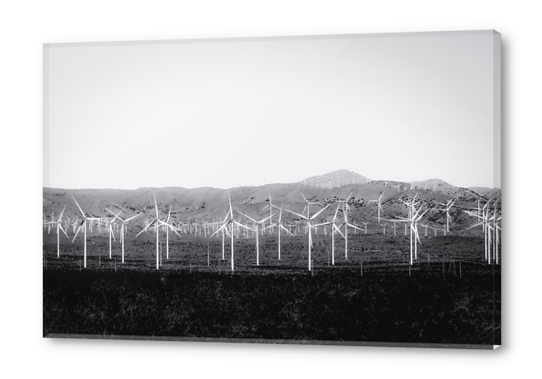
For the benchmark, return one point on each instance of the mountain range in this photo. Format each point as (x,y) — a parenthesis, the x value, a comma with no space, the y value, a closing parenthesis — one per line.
(209,204)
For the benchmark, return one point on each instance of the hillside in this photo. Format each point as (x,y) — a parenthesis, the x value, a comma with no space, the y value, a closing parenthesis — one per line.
(208,204)
(335,179)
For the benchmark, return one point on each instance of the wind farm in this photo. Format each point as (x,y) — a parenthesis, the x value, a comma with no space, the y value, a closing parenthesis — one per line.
(336,189)
(277,235)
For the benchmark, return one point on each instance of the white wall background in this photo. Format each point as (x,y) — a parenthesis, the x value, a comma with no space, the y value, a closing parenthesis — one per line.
(24,27)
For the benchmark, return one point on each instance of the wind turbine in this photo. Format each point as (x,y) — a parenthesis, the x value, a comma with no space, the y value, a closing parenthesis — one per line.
(413,220)
(84,225)
(478,207)
(410,204)
(157,223)
(334,229)
(110,228)
(45,222)
(280,226)
(168,226)
(346,224)
(270,206)
(394,227)
(486,223)
(496,228)
(425,226)
(447,207)
(227,222)
(308,219)
(256,230)
(75,223)
(58,229)
(123,228)
(48,224)
(379,205)
(308,205)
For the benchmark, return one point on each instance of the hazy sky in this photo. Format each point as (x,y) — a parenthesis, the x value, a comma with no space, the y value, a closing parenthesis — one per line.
(231,112)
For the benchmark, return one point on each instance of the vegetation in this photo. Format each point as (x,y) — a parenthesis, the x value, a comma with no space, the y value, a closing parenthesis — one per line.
(449,296)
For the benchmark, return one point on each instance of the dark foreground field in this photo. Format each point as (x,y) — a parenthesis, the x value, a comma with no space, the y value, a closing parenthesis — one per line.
(450,296)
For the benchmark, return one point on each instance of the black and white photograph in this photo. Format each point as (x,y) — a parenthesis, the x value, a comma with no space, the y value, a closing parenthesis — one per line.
(320,189)
(167,166)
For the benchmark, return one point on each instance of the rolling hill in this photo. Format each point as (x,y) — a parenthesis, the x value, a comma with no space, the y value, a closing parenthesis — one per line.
(210,204)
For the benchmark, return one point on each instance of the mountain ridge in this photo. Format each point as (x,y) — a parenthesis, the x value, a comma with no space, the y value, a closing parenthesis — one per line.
(208,203)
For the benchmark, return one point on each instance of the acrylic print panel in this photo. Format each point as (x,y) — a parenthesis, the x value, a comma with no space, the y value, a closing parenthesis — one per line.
(324,189)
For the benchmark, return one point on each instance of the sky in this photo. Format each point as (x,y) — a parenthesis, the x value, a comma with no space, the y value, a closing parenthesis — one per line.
(230,112)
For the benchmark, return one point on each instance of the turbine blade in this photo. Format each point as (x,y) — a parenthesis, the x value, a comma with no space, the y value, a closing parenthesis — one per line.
(244,226)
(336,211)
(61,228)
(286,230)
(176,231)
(417,236)
(155,205)
(216,231)
(475,225)
(320,211)
(355,227)
(270,226)
(83,213)
(265,219)
(116,215)
(338,230)
(74,237)
(61,213)
(147,227)
(131,218)
(225,218)
(231,209)
(297,214)
(250,218)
